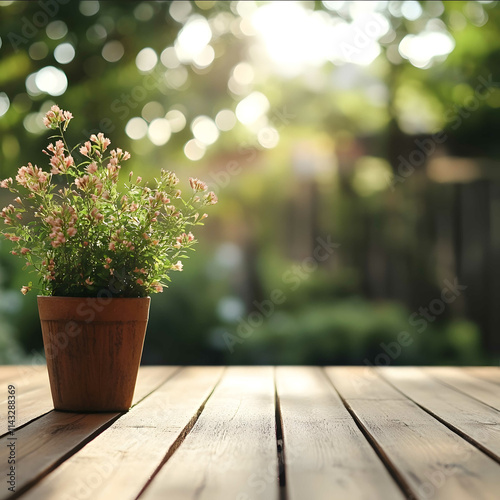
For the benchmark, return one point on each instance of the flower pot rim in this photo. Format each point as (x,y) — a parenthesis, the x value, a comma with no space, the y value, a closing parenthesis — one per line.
(93,309)
(91,298)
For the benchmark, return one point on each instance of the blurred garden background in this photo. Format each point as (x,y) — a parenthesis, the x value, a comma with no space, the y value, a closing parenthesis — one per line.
(353,146)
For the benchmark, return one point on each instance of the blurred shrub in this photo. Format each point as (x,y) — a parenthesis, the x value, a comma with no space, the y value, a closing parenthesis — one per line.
(355,331)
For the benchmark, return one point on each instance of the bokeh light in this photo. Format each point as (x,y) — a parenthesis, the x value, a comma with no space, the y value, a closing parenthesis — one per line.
(146,59)
(152,110)
(421,49)
(136,128)
(159,131)
(176,119)
(205,130)
(225,120)
(51,80)
(64,53)
(252,107)
(194,150)
(193,38)
(38,50)
(56,30)
(89,7)
(4,103)
(179,11)
(113,51)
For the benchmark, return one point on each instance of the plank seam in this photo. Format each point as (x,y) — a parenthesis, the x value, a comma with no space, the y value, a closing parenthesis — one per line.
(67,455)
(386,461)
(448,425)
(182,436)
(280,443)
(456,389)
(169,376)
(80,445)
(26,423)
(481,378)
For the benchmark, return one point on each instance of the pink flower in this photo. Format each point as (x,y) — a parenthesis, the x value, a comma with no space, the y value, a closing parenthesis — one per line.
(157,287)
(89,282)
(197,185)
(5,183)
(211,198)
(82,182)
(92,168)
(25,250)
(86,149)
(71,231)
(120,156)
(177,266)
(25,289)
(56,117)
(112,246)
(183,239)
(139,281)
(100,140)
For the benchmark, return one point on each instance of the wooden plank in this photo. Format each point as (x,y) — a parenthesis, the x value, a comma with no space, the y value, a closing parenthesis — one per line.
(488,373)
(326,455)
(25,378)
(231,451)
(471,418)
(33,397)
(10,372)
(120,461)
(361,382)
(44,443)
(150,378)
(430,460)
(461,380)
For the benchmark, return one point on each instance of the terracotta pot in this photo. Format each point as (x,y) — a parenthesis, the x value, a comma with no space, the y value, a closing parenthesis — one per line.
(93,348)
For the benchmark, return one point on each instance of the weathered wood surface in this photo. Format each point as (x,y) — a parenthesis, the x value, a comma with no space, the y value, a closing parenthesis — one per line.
(326,454)
(294,433)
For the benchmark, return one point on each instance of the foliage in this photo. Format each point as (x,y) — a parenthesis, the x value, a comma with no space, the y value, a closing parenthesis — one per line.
(87,236)
(355,331)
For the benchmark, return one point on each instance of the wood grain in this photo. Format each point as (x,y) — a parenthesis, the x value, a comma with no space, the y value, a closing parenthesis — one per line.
(33,397)
(326,455)
(47,441)
(488,373)
(120,461)
(231,451)
(461,380)
(50,439)
(468,416)
(430,459)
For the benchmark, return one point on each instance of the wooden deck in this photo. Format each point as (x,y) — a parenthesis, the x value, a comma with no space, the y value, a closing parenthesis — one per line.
(241,433)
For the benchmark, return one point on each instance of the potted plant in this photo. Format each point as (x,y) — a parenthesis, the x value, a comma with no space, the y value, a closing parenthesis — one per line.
(99,252)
